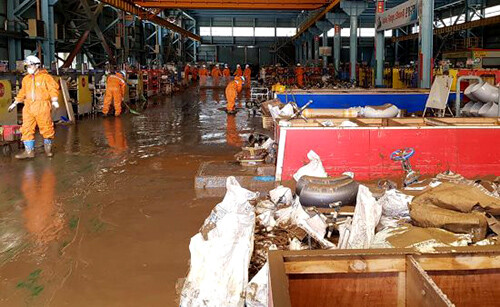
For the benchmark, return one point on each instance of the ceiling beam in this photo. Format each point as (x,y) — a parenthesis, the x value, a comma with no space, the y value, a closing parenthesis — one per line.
(144,13)
(235,4)
(312,21)
(454,28)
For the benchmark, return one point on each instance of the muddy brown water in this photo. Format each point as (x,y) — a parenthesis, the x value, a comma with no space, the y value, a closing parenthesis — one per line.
(107,221)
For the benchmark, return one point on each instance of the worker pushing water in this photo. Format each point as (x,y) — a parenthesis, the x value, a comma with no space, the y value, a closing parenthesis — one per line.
(232,90)
(115,92)
(39,92)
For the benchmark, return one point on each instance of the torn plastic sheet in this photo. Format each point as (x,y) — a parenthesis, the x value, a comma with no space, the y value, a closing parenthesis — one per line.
(257,291)
(313,168)
(394,208)
(366,217)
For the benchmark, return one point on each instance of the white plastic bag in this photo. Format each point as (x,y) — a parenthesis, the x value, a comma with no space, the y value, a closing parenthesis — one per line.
(366,217)
(266,219)
(281,195)
(313,168)
(258,288)
(314,226)
(394,208)
(220,257)
(286,111)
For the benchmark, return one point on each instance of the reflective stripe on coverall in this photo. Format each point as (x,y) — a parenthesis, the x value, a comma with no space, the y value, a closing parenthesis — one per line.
(37,91)
(115,90)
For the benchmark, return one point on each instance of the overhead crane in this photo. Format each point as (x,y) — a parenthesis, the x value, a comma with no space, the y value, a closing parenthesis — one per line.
(235,4)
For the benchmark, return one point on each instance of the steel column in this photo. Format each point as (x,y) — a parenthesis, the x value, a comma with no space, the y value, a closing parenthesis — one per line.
(353,9)
(13,43)
(315,32)
(47,56)
(337,19)
(324,26)
(396,48)
(379,48)
(379,57)
(304,50)
(425,42)
(310,46)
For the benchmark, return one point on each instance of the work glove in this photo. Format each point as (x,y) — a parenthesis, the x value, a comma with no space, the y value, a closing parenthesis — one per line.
(12,106)
(55,104)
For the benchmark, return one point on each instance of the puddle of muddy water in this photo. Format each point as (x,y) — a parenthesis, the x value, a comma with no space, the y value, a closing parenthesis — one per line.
(107,221)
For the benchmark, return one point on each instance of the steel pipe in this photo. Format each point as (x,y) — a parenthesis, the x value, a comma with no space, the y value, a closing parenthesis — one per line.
(457,100)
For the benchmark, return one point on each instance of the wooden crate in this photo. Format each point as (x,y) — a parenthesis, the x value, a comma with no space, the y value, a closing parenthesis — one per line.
(462,276)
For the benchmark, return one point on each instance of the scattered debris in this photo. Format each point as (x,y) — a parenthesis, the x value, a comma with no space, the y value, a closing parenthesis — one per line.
(235,240)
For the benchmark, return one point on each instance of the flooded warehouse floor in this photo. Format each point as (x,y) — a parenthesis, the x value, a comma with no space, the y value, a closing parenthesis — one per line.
(107,221)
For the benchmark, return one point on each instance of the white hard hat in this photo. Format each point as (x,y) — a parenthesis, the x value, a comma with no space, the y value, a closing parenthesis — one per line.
(298,64)
(32,60)
(238,65)
(225,65)
(204,65)
(247,65)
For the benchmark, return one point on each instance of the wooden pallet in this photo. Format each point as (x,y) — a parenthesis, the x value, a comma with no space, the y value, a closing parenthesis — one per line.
(462,276)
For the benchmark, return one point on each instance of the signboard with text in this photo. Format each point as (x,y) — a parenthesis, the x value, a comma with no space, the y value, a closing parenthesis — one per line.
(399,16)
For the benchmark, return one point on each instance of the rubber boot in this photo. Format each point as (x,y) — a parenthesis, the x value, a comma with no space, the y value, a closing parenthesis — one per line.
(47,145)
(29,152)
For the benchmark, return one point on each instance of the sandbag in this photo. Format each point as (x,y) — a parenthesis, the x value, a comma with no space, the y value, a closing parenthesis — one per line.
(427,215)
(221,251)
(385,111)
(459,197)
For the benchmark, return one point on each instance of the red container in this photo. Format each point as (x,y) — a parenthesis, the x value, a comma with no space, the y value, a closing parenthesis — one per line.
(11,132)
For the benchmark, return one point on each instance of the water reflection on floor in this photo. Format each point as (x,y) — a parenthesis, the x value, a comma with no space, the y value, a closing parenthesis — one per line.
(107,221)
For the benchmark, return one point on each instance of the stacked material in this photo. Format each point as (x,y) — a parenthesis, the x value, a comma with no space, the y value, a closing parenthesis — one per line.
(233,244)
(484,100)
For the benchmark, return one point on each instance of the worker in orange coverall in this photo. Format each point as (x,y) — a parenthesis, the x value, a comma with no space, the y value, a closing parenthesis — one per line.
(216,74)
(232,90)
(194,73)
(39,92)
(247,74)
(115,91)
(238,72)
(226,73)
(187,70)
(203,75)
(299,74)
